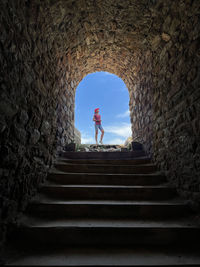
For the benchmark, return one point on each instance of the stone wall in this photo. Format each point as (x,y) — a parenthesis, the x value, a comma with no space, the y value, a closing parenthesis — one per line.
(165,99)
(48,47)
(65,113)
(176,101)
(140,104)
(31,104)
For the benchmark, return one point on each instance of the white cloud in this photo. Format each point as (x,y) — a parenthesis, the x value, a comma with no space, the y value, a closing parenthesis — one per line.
(123,115)
(87,140)
(114,134)
(122,129)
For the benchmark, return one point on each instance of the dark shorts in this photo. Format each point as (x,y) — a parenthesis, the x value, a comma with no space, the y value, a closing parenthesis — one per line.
(98,126)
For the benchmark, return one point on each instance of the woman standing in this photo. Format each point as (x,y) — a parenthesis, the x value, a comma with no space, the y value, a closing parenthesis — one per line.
(97,119)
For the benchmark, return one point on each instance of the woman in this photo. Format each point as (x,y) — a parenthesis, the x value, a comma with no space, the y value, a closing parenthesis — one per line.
(97,119)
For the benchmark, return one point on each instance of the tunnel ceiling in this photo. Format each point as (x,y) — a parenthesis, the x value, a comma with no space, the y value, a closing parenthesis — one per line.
(98,35)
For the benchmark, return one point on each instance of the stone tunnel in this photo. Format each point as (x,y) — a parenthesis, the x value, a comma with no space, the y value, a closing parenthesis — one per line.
(48,47)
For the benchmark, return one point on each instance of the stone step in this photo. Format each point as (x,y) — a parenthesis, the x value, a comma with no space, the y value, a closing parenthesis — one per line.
(108,235)
(106,232)
(137,161)
(189,220)
(110,209)
(106,179)
(106,168)
(135,256)
(104,192)
(103,155)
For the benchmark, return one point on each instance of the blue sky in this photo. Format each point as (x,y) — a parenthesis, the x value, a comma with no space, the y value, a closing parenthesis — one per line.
(109,93)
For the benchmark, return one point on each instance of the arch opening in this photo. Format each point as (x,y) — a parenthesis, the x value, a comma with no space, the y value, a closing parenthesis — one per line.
(108,92)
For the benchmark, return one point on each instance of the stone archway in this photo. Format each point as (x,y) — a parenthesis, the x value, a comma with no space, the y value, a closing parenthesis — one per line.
(47,47)
(88,36)
(110,46)
(141,129)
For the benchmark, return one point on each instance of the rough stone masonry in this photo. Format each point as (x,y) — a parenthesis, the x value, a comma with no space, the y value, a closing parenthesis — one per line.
(48,46)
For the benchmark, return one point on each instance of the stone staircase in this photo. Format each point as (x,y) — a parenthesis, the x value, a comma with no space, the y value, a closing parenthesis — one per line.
(106,209)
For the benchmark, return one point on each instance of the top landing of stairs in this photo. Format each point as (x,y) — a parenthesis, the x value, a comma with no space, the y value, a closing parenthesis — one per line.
(103,152)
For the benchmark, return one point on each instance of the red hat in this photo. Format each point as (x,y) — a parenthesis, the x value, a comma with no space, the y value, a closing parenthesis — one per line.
(96,109)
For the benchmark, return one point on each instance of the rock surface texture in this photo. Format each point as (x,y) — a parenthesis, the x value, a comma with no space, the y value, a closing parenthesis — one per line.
(101,148)
(48,47)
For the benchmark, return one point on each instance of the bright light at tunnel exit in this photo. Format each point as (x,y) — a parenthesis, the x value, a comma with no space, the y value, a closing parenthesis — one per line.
(109,93)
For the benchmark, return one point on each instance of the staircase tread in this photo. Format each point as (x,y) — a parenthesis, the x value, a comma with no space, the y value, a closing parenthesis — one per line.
(103,155)
(56,171)
(104,165)
(106,256)
(45,200)
(138,158)
(29,221)
(99,152)
(104,160)
(52,185)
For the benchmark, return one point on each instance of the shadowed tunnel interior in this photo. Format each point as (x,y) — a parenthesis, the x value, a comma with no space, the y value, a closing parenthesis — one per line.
(48,47)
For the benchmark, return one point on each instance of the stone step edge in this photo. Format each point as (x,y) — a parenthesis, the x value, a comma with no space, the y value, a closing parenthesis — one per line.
(98,227)
(108,160)
(101,162)
(55,171)
(49,185)
(110,152)
(104,265)
(138,158)
(109,202)
(107,155)
(189,220)
(104,165)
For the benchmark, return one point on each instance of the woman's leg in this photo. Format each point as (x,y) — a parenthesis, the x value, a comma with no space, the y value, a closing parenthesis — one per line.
(96,136)
(102,134)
